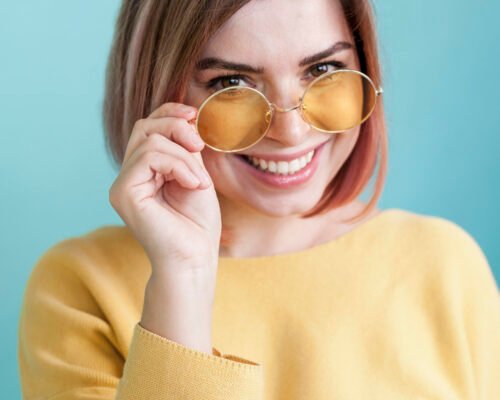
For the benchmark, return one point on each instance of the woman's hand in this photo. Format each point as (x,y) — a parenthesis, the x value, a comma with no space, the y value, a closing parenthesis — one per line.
(164,194)
(161,195)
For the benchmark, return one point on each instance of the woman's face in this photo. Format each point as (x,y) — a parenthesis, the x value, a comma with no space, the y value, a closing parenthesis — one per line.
(273,37)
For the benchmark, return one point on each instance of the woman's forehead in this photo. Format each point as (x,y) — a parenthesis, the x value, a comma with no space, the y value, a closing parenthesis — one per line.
(279,30)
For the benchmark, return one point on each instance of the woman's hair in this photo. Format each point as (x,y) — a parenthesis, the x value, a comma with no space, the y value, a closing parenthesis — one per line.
(155,46)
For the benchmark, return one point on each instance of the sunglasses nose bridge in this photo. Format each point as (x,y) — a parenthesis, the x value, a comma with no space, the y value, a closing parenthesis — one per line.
(274,108)
(279,109)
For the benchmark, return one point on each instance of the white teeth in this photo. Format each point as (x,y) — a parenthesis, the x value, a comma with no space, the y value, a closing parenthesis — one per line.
(294,166)
(283,167)
(271,166)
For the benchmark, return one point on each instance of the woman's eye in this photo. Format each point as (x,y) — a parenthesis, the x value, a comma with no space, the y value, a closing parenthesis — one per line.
(222,82)
(225,81)
(322,68)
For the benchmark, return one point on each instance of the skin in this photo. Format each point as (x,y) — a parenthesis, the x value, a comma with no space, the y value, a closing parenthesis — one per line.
(275,35)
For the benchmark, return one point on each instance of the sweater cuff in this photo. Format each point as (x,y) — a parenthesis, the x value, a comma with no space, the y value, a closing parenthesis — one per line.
(157,368)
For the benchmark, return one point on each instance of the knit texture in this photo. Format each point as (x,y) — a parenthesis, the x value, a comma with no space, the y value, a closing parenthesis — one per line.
(404,306)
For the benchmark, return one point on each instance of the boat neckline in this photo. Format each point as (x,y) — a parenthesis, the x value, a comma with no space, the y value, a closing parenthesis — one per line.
(342,239)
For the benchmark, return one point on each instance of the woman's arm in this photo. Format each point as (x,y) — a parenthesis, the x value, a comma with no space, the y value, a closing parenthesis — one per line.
(68,349)
(481,318)
(473,311)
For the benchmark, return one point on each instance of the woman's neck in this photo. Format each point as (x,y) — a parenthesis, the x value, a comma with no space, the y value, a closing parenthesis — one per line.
(256,234)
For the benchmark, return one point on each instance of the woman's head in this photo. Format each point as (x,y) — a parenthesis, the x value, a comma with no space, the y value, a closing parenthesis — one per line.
(160,54)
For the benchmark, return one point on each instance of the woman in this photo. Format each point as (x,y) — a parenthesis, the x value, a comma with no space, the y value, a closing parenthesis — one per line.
(241,273)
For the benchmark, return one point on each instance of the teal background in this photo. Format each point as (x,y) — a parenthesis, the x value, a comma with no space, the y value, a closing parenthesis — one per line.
(441,95)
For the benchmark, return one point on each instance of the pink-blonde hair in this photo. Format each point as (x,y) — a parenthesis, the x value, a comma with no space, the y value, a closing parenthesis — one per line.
(155,47)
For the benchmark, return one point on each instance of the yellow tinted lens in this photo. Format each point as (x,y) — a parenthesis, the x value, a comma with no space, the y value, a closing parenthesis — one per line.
(233,119)
(339,101)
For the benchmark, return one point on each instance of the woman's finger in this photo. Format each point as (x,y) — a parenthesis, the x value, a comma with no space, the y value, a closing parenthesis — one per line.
(158,143)
(138,180)
(174,110)
(175,129)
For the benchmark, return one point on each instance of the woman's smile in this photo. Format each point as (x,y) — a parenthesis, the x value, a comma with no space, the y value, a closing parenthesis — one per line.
(280,172)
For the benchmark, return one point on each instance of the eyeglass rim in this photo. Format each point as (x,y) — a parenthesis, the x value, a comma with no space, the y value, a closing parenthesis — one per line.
(377,92)
(272,106)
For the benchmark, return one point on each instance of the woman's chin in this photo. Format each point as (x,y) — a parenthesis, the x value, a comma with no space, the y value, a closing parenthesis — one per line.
(278,206)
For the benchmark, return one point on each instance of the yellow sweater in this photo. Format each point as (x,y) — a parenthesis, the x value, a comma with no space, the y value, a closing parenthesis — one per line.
(405,306)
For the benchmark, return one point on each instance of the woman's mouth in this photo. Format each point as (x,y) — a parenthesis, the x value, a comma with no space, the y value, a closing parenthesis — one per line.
(282,174)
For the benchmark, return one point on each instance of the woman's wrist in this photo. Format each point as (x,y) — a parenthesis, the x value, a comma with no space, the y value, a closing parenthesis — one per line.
(179,308)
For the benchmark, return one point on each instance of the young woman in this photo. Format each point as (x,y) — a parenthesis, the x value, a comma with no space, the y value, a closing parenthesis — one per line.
(247,268)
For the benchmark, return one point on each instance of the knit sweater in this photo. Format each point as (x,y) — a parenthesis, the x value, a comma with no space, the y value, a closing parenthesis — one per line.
(404,306)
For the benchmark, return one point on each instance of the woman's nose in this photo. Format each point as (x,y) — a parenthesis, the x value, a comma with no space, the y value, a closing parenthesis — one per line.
(287,125)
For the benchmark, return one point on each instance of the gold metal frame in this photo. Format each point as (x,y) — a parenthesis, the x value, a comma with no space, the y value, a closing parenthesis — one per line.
(274,108)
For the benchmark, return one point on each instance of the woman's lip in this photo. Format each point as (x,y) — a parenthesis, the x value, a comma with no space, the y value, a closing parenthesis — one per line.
(281,181)
(284,157)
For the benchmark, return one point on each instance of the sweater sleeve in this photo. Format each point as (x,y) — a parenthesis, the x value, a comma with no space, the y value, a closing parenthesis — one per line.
(478,297)
(158,368)
(67,350)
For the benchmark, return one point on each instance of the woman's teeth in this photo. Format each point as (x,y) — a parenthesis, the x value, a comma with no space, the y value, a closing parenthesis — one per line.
(281,167)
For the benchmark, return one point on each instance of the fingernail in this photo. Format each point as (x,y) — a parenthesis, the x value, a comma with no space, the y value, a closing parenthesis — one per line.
(197,139)
(187,109)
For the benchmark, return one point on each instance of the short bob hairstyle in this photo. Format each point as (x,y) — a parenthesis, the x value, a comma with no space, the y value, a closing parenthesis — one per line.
(155,46)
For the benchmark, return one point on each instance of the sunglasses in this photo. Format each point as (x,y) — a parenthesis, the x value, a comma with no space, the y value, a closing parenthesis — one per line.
(238,117)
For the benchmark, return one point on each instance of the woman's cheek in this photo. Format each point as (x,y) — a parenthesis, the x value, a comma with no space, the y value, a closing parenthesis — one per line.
(213,161)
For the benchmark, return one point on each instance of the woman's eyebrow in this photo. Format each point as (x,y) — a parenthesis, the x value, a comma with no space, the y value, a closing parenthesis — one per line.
(218,63)
(337,47)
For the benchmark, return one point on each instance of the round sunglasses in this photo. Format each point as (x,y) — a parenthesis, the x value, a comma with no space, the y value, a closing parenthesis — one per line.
(238,117)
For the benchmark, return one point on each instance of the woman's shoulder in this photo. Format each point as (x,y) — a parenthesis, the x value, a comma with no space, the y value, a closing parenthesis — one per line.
(403,223)
(436,232)
(410,228)
(80,304)
(109,253)
(105,237)
(435,248)
(105,242)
